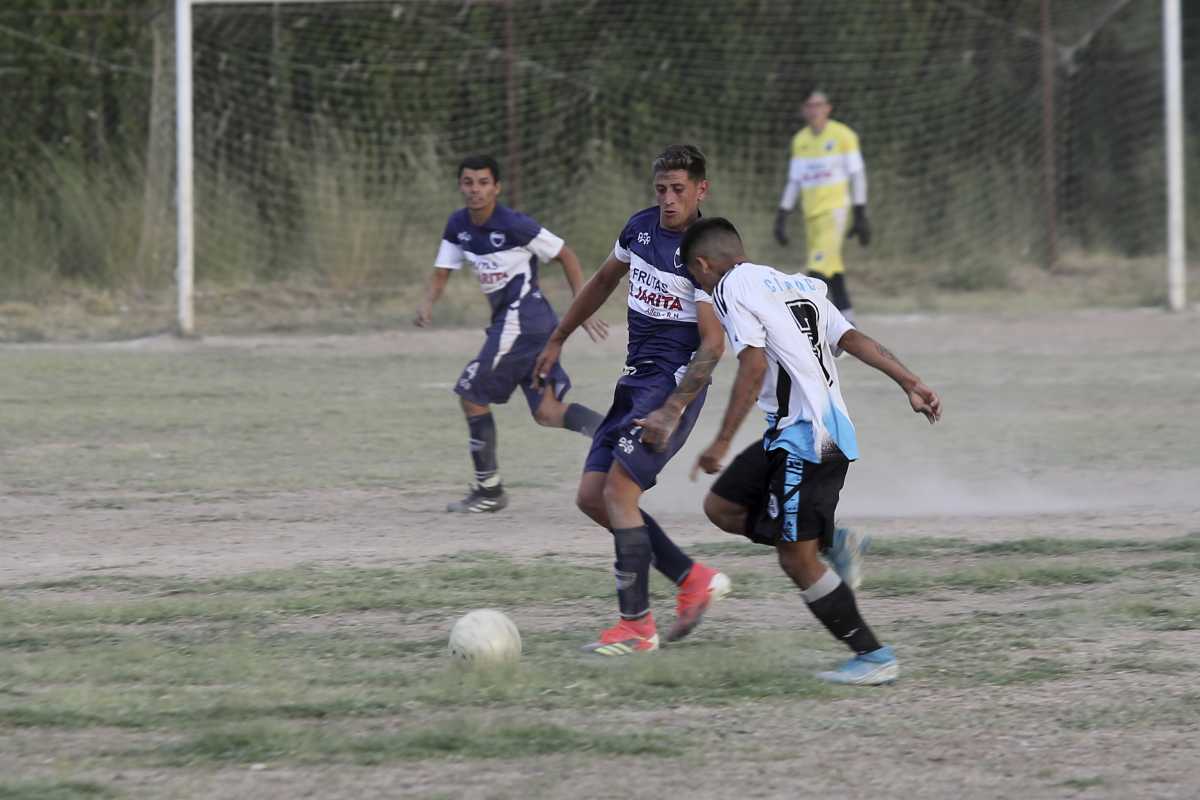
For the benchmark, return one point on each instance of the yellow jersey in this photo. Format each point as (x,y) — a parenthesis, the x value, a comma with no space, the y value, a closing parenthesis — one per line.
(821,166)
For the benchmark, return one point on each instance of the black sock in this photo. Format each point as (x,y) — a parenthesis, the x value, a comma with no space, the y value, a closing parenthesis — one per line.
(483,450)
(668,558)
(832,602)
(581,419)
(632,569)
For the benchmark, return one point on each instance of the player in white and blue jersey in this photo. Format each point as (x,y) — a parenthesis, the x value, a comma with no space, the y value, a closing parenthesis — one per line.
(675,341)
(505,247)
(785,330)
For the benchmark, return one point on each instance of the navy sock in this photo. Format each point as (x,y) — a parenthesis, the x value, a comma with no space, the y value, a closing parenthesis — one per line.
(632,569)
(668,558)
(483,449)
(581,419)
(832,602)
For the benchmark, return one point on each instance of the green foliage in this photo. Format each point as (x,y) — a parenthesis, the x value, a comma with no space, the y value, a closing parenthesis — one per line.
(1080,784)
(73,222)
(1161,616)
(54,790)
(326,135)
(273,742)
(988,578)
(254,595)
(915,547)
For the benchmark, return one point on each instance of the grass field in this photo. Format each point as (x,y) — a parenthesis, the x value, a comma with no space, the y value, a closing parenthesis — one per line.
(225,573)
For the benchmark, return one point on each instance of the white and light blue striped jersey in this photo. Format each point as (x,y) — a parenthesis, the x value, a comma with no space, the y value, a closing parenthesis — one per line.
(792,319)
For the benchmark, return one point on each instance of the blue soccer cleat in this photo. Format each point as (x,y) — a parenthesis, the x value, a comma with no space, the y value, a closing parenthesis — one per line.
(869,669)
(846,556)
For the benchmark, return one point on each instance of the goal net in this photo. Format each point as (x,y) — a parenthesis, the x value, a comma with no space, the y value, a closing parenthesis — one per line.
(327,133)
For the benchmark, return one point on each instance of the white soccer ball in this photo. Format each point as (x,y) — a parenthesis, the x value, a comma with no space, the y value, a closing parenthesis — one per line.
(485,637)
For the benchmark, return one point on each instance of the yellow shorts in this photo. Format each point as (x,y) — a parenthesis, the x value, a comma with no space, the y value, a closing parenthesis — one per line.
(825,234)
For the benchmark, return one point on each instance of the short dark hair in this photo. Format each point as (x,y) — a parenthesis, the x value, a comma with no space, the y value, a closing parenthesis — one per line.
(708,237)
(681,156)
(480,162)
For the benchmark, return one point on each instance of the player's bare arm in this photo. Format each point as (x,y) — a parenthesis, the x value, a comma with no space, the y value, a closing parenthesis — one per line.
(437,284)
(867,350)
(586,303)
(597,329)
(752,368)
(658,425)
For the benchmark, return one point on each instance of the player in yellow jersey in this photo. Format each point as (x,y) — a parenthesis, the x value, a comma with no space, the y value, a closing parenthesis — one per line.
(827,172)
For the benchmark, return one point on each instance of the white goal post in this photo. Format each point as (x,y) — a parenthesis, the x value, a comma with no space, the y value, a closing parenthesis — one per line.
(185,275)
(1173,69)
(600,115)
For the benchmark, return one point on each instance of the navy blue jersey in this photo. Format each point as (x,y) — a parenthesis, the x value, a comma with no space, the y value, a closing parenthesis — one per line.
(504,251)
(662,296)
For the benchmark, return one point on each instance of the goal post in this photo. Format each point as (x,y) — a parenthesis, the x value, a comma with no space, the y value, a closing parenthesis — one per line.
(185,268)
(320,136)
(1173,92)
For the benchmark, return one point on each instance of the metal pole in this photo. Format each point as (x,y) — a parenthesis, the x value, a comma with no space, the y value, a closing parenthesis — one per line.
(184,166)
(1173,67)
(1049,179)
(513,167)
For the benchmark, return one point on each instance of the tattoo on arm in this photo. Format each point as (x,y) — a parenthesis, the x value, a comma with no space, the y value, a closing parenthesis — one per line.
(894,368)
(699,370)
(888,354)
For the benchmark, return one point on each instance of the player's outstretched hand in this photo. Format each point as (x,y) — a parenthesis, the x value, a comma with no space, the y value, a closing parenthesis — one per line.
(657,427)
(925,401)
(545,363)
(710,460)
(597,329)
(424,317)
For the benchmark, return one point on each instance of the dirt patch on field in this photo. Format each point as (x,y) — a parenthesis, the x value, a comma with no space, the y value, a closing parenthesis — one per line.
(1025,674)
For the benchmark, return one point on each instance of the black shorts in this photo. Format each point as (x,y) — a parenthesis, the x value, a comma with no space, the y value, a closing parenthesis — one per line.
(786,498)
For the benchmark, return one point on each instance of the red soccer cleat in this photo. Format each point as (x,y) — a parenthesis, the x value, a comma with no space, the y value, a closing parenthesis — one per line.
(626,638)
(701,588)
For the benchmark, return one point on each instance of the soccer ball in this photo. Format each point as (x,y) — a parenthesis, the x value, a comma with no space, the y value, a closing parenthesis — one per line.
(485,637)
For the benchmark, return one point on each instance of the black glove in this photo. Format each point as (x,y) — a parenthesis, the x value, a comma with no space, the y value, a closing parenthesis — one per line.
(860,227)
(781,226)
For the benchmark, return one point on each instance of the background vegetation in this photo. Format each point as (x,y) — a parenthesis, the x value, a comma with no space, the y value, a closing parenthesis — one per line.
(326,136)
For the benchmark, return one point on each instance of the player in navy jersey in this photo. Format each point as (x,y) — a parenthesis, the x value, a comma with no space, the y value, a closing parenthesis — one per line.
(504,247)
(675,341)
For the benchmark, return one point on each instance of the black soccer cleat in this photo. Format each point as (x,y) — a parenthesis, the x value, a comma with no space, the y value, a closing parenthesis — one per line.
(481,500)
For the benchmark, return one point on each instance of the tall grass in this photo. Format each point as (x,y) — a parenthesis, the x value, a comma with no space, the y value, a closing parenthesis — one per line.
(69,223)
(343,215)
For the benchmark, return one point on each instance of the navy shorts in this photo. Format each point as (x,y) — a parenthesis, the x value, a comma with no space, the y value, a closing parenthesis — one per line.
(620,439)
(493,376)
(787,499)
